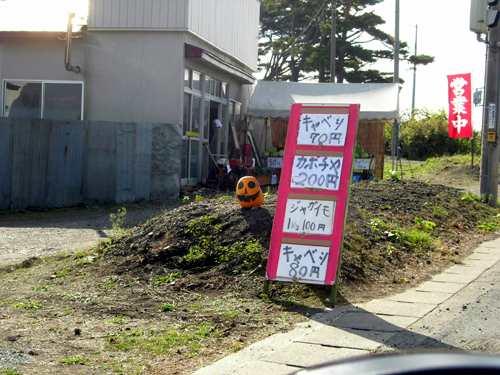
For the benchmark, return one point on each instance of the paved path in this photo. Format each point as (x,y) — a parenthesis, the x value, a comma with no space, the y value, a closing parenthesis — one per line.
(428,316)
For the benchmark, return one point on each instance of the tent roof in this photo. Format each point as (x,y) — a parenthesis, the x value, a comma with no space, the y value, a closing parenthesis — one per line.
(273,99)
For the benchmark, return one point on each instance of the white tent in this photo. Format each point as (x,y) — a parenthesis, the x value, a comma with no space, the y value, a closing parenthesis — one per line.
(378,101)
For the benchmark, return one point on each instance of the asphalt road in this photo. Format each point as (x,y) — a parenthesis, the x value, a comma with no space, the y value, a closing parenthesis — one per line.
(469,321)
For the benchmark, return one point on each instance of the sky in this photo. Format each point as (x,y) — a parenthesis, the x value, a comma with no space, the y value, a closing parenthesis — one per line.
(39,15)
(443,32)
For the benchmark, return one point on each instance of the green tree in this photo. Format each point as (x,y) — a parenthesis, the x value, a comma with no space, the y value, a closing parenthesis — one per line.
(424,134)
(296,40)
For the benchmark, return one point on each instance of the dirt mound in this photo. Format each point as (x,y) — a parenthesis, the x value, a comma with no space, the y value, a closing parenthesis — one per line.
(397,233)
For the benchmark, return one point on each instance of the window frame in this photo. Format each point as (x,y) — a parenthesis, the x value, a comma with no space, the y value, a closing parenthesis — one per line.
(42,82)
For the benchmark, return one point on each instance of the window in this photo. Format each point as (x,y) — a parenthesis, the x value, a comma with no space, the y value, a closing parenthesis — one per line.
(224,90)
(187,77)
(196,81)
(215,88)
(43,99)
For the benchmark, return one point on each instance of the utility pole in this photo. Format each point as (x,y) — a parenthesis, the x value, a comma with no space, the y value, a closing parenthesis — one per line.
(395,126)
(484,20)
(414,74)
(490,153)
(333,40)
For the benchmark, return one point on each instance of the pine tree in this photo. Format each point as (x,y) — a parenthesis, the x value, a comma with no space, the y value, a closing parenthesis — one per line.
(296,40)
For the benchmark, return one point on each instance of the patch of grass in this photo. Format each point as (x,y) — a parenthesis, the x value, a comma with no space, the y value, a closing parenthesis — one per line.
(424,223)
(225,198)
(207,251)
(87,260)
(167,307)
(73,361)
(29,305)
(488,226)
(189,339)
(236,348)
(472,198)
(117,320)
(229,315)
(63,273)
(432,165)
(438,212)
(166,279)
(9,371)
(418,237)
(43,288)
(76,297)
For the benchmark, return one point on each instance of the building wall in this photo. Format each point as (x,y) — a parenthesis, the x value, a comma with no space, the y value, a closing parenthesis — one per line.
(38,59)
(128,77)
(134,76)
(231,26)
(141,14)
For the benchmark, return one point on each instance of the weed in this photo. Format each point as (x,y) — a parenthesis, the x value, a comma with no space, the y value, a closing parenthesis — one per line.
(117,320)
(76,297)
(167,307)
(236,348)
(63,273)
(167,279)
(471,197)
(196,307)
(395,175)
(395,235)
(390,249)
(185,199)
(9,371)
(117,221)
(225,198)
(73,360)
(29,305)
(198,198)
(268,194)
(488,226)
(43,288)
(377,224)
(231,314)
(438,212)
(86,260)
(423,223)
(418,237)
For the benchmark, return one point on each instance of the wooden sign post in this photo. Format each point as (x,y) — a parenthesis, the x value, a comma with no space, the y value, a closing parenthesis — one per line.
(308,228)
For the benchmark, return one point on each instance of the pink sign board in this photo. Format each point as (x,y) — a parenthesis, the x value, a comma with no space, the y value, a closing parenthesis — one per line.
(316,175)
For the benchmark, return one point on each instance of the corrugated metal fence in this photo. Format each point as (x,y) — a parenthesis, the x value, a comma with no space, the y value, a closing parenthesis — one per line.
(46,163)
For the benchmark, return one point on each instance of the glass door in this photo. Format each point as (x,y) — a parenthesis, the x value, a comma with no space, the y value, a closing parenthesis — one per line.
(191,139)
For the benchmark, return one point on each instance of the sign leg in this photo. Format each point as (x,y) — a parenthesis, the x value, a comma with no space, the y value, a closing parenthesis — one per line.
(266,287)
(333,298)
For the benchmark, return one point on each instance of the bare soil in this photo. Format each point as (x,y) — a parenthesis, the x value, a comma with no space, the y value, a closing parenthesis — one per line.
(185,289)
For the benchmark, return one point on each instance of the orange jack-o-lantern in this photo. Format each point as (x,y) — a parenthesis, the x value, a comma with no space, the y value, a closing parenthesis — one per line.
(248,192)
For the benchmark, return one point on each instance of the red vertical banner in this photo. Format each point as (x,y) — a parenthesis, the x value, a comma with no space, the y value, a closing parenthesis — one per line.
(460,98)
(308,227)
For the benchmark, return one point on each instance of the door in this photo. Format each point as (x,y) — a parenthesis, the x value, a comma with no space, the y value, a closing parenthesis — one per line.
(192,133)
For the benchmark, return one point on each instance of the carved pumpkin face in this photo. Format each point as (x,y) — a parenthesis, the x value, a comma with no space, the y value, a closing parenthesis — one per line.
(248,192)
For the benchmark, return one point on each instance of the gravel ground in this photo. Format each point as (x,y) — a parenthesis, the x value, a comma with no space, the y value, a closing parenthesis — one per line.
(28,234)
(34,234)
